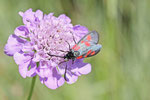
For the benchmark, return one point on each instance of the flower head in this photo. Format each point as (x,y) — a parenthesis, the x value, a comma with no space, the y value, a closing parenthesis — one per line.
(41,36)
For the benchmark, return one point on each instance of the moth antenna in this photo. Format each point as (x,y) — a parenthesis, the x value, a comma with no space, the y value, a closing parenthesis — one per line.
(69,45)
(73,38)
(56,55)
(63,51)
(62,62)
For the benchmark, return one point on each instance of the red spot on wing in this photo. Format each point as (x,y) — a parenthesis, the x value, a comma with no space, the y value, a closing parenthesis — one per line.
(74,46)
(77,48)
(88,53)
(89,37)
(87,44)
(93,53)
(82,41)
(80,57)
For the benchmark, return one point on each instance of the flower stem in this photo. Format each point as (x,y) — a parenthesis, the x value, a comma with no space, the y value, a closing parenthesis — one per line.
(32,87)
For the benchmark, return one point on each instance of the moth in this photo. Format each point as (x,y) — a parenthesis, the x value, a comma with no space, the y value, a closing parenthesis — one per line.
(86,47)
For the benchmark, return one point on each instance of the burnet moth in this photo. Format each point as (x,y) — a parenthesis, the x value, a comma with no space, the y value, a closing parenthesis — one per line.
(87,46)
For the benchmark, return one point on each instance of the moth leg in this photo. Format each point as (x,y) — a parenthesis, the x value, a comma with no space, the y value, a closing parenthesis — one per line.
(62,62)
(73,61)
(65,73)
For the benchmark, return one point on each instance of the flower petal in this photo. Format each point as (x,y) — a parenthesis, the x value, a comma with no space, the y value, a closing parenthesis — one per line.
(32,71)
(71,78)
(24,60)
(36,57)
(23,68)
(27,47)
(85,69)
(55,81)
(21,58)
(28,17)
(79,67)
(64,18)
(80,31)
(14,44)
(22,31)
(51,83)
(74,70)
(44,70)
(39,14)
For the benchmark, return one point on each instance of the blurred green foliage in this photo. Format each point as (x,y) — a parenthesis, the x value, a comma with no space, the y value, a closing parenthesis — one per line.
(120,71)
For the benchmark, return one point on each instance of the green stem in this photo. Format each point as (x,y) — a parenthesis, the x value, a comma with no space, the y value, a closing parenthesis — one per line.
(32,87)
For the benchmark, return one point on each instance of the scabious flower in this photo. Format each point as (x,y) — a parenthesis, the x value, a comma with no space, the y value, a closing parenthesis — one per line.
(41,36)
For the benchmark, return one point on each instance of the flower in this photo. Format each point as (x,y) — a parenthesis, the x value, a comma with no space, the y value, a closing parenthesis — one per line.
(42,35)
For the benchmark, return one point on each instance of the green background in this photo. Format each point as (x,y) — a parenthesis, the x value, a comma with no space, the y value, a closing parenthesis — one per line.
(121,71)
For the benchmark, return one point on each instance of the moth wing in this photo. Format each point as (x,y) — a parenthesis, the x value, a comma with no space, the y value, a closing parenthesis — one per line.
(92,37)
(87,46)
(93,50)
(89,51)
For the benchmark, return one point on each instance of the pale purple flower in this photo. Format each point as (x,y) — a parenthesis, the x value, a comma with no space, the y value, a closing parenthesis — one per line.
(39,36)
